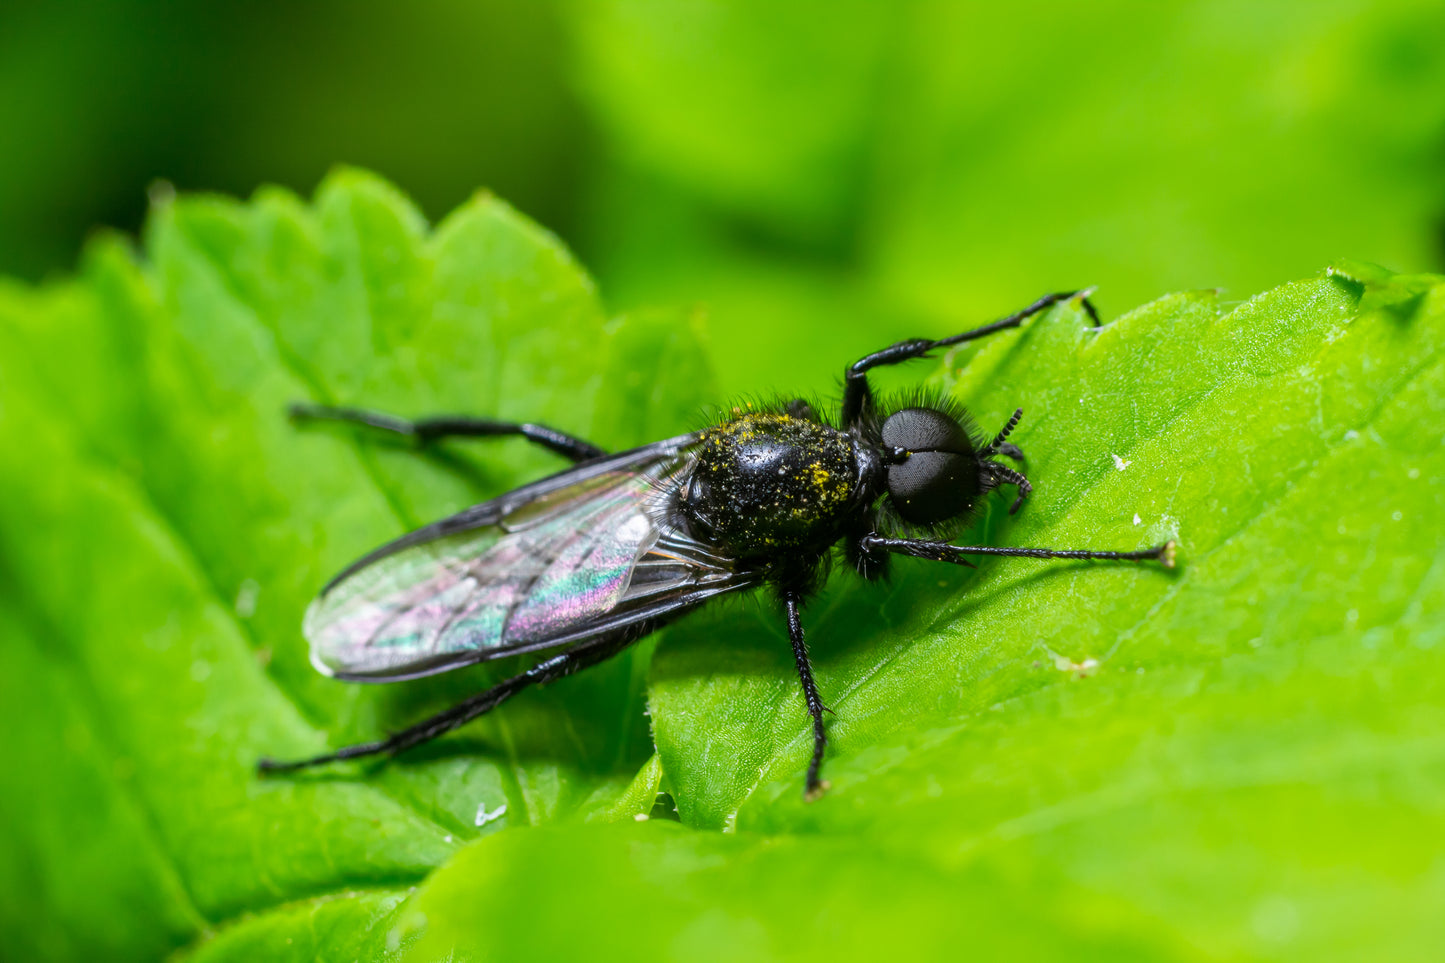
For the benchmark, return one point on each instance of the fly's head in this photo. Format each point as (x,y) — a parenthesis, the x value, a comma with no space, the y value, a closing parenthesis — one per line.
(936,470)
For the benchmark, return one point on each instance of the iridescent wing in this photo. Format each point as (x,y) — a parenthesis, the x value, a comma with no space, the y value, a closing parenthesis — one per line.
(580,555)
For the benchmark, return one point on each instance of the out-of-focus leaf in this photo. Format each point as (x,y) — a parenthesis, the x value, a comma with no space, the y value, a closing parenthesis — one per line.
(657,892)
(795,158)
(994,153)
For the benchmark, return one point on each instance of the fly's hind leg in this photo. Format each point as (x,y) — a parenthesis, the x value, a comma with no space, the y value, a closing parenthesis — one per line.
(426,430)
(584,655)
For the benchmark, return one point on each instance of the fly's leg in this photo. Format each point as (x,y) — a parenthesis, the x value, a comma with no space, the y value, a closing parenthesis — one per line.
(426,430)
(858,397)
(815,787)
(944,552)
(1009,450)
(1001,473)
(464,712)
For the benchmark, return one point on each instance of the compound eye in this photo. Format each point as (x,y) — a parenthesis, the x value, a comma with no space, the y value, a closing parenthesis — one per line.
(931,486)
(939,479)
(925,429)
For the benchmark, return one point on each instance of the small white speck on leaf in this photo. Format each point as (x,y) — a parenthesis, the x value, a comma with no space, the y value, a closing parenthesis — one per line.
(1120,463)
(484,817)
(1083,669)
(447,838)
(640,817)
(1137,519)
(1397,515)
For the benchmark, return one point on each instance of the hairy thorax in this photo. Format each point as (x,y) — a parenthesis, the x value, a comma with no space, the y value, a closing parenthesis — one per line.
(765,482)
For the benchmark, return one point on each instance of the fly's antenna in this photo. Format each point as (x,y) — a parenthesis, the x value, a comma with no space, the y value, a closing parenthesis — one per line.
(995,445)
(1005,475)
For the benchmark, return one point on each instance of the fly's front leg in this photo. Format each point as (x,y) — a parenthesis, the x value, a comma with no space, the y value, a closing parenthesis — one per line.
(858,397)
(815,786)
(1009,450)
(426,430)
(458,715)
(957,554)
(1001,473)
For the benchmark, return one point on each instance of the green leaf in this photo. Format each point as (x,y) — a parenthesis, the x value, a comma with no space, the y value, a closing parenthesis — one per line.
(165,527)
(1242,758)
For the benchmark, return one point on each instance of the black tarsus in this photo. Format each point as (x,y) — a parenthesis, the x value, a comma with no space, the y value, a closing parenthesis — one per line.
(856,393)
(814,787)
(427,430)
(1002,473)
(463,712)
(1009,450)
(944,552)
(1005,474)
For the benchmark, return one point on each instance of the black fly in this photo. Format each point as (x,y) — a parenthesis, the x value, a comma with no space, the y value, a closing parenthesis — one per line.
(582,564)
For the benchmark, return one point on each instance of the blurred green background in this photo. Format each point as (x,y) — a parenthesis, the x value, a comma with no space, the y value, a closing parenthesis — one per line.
(865,170)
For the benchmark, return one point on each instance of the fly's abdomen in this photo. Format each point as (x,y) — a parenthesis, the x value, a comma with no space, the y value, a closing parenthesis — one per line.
(765,482)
